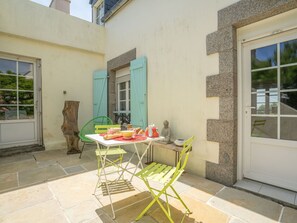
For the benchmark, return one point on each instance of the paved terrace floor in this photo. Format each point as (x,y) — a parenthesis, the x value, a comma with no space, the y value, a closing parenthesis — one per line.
(50,186)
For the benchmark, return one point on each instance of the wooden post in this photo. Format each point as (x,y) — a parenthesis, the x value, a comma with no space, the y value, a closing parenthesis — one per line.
(69,127)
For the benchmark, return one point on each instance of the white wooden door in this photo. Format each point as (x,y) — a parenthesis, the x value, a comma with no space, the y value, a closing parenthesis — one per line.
(19,107)
(270,110)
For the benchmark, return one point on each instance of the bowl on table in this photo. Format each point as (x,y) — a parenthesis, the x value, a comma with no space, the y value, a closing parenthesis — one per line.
(179,142)
(127,134)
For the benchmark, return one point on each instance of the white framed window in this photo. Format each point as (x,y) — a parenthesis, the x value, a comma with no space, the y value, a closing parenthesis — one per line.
(100,14)
(123,95)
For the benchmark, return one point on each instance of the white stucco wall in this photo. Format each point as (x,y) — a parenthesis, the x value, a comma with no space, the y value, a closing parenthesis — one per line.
(70,50)
(172,35)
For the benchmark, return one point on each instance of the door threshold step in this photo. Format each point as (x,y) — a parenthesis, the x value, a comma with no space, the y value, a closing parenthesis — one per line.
(20,149)
(277,194)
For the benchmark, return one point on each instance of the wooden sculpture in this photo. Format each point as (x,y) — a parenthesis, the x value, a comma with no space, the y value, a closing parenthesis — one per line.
(69,127)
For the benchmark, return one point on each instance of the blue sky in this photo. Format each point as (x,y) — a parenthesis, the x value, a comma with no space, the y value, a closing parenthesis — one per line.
(78,8)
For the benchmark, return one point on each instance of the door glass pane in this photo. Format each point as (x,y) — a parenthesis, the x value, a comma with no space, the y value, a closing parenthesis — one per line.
(289,77)
(8,97)
(288,128)
(288,52)
(264,127)
(7,66)
(25,76)
(16,90)
(26,112)
(264,57)
(8,82)
(264,102)
(264,80)
(8,112)
(288,104)
(26,98)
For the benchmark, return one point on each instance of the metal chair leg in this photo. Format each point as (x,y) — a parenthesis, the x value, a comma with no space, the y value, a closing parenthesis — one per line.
(82,149)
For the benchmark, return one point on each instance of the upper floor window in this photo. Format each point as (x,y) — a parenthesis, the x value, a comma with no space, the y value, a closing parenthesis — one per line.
(99,14)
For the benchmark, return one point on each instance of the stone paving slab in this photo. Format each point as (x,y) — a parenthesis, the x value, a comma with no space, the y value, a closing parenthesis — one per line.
(201,212)
(17,166)
(128,207)
(90,165)
(8,181)
(50,155)
(24,198)
(16,158)
(73,190)
(73,160)
(246,206)
(289,215)
(83,211)
(46,212)
(38,175)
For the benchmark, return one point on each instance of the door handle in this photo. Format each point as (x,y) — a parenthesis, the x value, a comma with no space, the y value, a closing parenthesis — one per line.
(251,107)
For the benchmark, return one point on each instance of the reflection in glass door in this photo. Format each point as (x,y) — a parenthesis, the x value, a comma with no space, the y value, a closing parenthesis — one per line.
(16,90)
(19,120)
(274,91)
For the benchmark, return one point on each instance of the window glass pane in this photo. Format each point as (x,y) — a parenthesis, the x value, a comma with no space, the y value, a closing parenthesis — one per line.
(8,112)
(289,77)
(8,97)
(288,52)
(265,79)
(264,102)
(7,82)
(26,83)
(122,106)
(288,104)
(26,98)
(264,127)
(7,66)
(264,57)
(288,128)
(26,112)
(122,86)
(100,14)
(26,69)
(122,95)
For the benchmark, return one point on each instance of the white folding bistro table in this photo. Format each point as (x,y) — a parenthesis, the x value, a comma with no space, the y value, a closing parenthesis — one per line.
(100,141)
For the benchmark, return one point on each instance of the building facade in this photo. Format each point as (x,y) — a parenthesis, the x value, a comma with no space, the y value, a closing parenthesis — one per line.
(222,71)
(44,62)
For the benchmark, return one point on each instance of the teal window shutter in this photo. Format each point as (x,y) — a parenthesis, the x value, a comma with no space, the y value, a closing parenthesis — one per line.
(138,78)
(100,93)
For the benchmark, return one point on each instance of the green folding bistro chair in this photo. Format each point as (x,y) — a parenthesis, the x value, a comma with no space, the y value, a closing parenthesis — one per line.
(104,162)
(89,128)
(165,175)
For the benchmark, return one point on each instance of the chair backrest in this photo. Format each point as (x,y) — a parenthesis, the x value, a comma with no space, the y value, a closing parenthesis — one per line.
(184,155)
(89,127)
(103,128)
